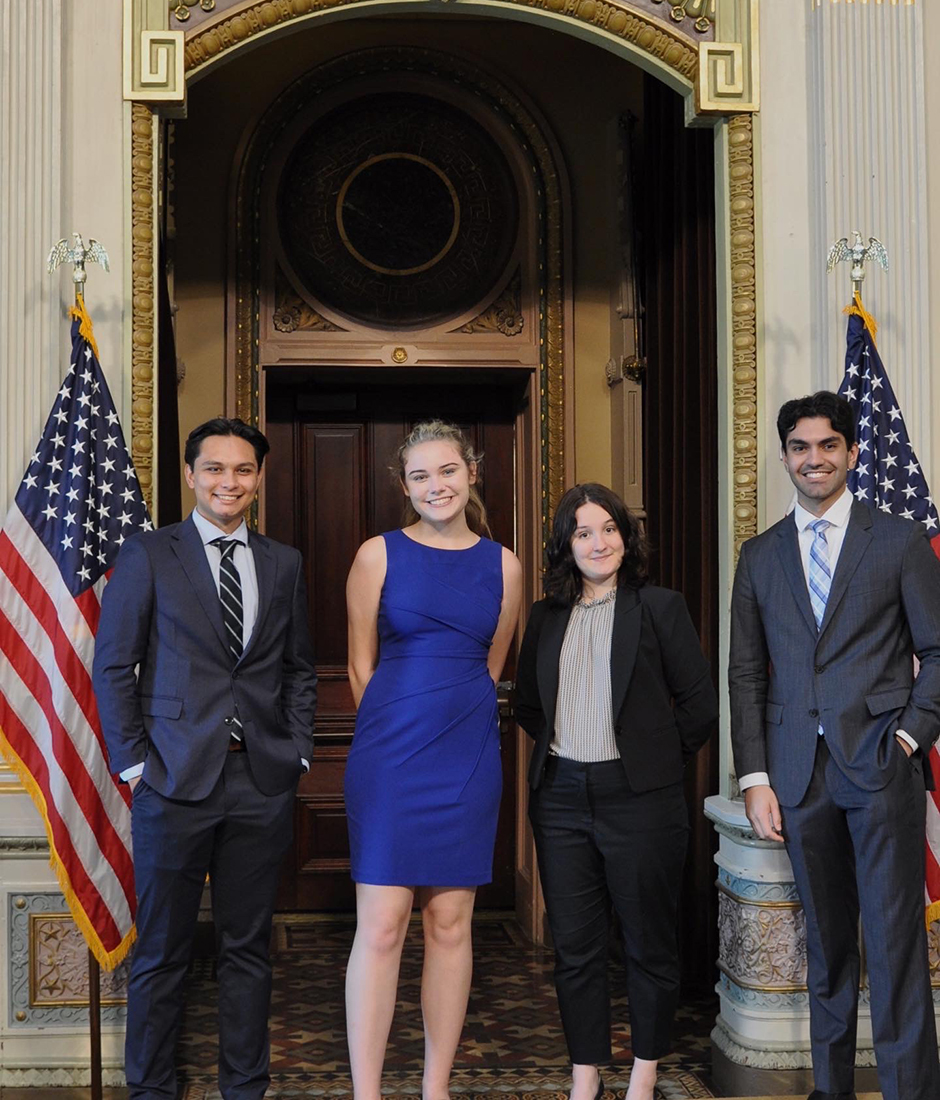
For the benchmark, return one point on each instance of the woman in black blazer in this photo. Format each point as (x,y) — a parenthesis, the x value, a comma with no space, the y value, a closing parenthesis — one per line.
(614,688)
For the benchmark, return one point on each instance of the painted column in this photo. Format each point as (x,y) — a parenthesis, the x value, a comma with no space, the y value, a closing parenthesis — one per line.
(841,147)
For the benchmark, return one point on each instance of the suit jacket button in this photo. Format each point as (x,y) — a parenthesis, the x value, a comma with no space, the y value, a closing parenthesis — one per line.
(229,721)
(814,713)
(819,668)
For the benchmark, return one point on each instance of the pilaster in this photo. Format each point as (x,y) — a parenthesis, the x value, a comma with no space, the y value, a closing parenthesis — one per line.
(868,170)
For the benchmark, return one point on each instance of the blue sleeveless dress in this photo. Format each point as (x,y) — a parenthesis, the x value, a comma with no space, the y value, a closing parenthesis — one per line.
(423,777)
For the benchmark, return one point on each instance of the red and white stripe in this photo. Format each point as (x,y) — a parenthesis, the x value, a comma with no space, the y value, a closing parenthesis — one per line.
(932,882)
(49,719)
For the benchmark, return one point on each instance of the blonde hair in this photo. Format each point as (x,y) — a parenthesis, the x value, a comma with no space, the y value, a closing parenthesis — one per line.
(440,431)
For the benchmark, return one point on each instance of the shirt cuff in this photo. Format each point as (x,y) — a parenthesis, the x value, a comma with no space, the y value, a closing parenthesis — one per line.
(131,772)
(905,736)
(754,779)
(305,764)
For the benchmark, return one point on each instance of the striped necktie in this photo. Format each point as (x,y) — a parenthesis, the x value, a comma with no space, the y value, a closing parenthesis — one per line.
(230,595)
(820,576)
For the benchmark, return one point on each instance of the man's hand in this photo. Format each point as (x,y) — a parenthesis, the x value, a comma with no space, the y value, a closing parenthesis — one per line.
(904,745)
(763,812)
(132,783)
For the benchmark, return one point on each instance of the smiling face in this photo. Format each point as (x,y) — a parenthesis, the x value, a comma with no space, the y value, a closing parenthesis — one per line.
(597,546)
(818,461)
(437,481)
(225,479)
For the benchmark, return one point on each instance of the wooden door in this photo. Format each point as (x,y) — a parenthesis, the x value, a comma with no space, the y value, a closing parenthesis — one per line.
(329,487)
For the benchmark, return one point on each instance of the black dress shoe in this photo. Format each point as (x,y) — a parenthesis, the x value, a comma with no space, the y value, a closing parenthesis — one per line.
(818,1094)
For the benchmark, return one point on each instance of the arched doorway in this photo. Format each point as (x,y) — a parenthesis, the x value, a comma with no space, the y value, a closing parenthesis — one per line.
(567,408)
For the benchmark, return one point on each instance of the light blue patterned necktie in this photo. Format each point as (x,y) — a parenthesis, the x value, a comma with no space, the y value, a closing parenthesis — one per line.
(820,576)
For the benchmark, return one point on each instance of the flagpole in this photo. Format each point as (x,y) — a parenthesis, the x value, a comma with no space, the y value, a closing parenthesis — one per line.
(77,255)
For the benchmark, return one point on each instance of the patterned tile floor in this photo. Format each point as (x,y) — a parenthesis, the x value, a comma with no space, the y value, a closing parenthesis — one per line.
(512,1041)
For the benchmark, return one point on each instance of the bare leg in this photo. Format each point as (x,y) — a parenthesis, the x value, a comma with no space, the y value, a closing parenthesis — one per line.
(445,981)
(382,914)
(584,1082)
(642,1080)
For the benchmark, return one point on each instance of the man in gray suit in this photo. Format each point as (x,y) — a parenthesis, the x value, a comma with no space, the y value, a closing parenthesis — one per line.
(831,730)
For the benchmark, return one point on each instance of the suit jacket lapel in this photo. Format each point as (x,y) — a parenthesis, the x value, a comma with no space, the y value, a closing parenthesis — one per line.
(624,642)
(553,634)
(188,547)
(266,573)
(788,550)
(854,545)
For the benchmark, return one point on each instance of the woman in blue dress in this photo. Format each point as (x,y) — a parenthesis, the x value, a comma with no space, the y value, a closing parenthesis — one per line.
(432,611)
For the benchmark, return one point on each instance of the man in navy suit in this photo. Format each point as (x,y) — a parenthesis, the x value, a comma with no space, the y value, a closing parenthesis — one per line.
(831,731)
(206,688)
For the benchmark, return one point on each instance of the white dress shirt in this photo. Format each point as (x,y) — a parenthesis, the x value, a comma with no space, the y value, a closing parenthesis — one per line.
(837,515)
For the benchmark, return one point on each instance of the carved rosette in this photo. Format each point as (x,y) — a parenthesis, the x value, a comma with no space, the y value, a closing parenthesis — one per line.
(293,314)
(743,326)
(142,276)
(504,315)
(207,43)
(762,946)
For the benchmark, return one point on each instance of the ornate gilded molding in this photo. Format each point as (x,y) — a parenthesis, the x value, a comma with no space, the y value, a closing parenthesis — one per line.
(208,42)
(701,13)
(179,9)
(293,313)
(153,56)
(505,313)
(762,945)
(743,326)
(142,280)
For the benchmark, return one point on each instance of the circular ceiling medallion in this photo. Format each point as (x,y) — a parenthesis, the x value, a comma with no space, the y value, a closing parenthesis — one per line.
(398,210)
(421,213)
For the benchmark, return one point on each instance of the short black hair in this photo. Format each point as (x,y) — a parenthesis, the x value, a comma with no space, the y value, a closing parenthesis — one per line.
(563,583)
(225,425)
(826,404)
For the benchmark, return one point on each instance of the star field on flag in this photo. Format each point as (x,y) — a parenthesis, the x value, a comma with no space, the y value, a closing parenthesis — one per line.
(887,474)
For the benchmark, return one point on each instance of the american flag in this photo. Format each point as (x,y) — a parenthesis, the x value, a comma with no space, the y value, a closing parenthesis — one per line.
(888,476)
(78,501)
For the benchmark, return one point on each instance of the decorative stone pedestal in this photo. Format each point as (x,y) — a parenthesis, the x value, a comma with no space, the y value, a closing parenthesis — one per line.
(760,1043)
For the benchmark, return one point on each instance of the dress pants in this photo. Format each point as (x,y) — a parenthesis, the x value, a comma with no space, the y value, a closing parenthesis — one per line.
(238,836)
(854,850)
(599,843)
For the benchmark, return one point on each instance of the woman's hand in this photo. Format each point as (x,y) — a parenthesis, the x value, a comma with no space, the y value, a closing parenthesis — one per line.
(363,592)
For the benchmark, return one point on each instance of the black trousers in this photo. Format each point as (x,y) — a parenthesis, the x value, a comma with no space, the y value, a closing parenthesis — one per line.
(238,836)
(600,843)
(863,851)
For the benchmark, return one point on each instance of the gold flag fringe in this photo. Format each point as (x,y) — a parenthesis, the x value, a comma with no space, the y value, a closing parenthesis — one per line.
(107,959)
(79,313)
(856,309)
(932,913)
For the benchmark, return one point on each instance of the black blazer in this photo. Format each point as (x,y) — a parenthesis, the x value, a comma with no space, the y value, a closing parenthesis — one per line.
(663,699)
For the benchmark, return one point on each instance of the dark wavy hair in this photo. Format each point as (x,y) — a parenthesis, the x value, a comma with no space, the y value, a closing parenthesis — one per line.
(563,581)
(225,425)
(826,404)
